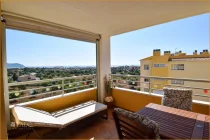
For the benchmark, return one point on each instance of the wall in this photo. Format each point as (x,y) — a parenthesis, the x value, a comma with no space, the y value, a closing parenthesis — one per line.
(155,71)
(145,72)
(134,100)
(56,104)
(65,101)
(159,71)
(192,70)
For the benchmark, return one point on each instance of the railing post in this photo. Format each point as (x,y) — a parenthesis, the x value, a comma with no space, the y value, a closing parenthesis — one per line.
(62,86)
(110,80)
(149,86)
(94,79)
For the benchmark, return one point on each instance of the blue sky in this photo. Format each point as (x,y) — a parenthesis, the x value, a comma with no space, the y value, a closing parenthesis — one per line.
(31,49)
(187,34)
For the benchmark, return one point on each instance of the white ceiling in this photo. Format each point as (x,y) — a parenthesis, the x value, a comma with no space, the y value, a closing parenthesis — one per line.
(107,17)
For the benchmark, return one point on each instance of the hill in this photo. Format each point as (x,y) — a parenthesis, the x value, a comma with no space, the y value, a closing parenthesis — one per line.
(15,65)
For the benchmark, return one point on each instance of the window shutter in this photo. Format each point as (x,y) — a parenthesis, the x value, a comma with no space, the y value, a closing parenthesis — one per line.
(38,26)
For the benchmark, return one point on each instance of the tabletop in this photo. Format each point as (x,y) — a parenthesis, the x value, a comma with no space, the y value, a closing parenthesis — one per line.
(176,123)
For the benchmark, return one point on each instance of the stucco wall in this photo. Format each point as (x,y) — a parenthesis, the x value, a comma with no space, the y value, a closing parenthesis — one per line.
(145,72)
(134,100)
(65,101)
(193,70)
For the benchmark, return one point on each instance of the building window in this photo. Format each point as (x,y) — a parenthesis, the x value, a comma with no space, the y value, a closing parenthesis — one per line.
(177,67)
(159,65)
(178,82)
(146,80)
(146,67)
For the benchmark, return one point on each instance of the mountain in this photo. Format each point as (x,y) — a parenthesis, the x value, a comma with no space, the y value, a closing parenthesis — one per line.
(15,65)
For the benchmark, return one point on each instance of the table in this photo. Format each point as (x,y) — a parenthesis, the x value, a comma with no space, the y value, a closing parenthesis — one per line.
(176,123)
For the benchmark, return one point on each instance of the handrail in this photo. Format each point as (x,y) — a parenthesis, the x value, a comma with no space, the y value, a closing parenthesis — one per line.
(164,78)
(47,80)
(152,79)
(61,89)
(49,86)
(25,97)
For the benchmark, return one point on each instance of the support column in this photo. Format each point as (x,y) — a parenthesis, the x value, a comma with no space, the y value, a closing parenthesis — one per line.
(3,123)
(209,84)
(103,64)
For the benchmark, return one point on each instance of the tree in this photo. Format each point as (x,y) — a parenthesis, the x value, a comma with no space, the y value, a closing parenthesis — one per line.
(12,95)
(10,80)
(35,92)
(22,87)
(15,77)
(39,75)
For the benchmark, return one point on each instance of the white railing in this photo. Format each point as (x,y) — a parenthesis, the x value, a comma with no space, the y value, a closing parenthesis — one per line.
(136,82)
(31,90)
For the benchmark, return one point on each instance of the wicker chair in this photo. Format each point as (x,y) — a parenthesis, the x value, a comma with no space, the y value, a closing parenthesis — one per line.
(177,98)
(134,126)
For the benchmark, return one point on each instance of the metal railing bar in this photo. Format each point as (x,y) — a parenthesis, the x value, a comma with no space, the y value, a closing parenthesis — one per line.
(119,75)
(19,98)
(129,88)
(128,80)
(76,77)
(79,82)
(169,85)
(183,86)
(56,91)
(129,85)
(47,80)
(193,94)
(33,82)
(151,81)
(166,78)
(78,87)
(206,96)
(34,89)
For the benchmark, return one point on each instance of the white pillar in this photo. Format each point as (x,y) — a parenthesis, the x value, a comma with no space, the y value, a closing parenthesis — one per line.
(209,85)
(103,64)
(3,123)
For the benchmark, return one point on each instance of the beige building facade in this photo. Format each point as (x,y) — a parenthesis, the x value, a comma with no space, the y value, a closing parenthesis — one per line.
(178,65)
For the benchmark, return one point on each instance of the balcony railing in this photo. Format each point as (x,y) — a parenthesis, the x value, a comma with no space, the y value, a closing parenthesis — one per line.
(20,92)
(154,84)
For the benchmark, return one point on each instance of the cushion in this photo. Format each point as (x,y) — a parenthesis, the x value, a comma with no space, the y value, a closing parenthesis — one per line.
(178,98)
(139,119)
(33,117)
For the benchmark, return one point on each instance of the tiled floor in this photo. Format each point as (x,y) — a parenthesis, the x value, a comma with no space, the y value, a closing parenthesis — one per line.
(95,129)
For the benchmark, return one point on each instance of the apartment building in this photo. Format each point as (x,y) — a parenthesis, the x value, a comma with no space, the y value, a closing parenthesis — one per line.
(178,65)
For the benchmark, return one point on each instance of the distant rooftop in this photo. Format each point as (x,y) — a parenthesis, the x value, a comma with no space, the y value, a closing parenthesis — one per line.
(180,56)
(191,59)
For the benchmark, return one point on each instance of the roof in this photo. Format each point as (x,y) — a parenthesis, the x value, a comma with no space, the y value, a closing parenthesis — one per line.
(147,58)
(23,75)
(109,17)
(191,59)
